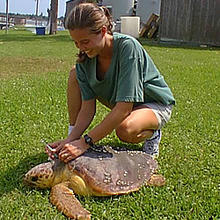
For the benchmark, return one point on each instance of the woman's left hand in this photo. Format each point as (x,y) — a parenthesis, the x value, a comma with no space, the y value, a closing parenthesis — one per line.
(72,150)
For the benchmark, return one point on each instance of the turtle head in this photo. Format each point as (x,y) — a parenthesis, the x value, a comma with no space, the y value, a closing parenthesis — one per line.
(40,176)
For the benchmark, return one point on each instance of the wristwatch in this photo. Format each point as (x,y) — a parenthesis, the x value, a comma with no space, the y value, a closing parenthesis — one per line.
(88,140)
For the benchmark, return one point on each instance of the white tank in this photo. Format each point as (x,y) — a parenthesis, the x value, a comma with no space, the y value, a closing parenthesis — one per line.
(146,7)
(120,7)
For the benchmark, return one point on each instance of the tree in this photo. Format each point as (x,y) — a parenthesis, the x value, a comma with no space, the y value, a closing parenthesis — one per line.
(53,16)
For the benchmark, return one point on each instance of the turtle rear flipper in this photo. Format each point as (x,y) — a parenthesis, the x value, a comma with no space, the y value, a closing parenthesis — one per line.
(63,198)
(156,180)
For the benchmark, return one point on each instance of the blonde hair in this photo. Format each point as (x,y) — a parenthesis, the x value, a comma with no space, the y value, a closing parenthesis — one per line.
(89,15)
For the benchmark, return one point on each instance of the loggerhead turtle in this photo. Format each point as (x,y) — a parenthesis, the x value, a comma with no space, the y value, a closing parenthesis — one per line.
(99,173)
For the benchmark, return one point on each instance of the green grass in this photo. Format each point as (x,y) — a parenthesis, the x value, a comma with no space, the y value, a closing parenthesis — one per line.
(33,75)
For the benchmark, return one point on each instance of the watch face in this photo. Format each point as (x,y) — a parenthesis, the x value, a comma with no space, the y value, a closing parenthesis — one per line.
(88,140)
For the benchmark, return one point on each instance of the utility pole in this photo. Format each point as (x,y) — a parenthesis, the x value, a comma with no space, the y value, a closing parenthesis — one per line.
(37,6)
(6,30)
(53,18)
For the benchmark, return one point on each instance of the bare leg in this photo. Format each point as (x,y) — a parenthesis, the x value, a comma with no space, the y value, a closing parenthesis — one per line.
(74,99)
(138,126)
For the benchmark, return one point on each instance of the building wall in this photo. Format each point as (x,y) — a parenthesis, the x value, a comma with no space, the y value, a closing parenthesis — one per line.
(19,21)
(146,7)
(120,8)
(193,21)
(2,18)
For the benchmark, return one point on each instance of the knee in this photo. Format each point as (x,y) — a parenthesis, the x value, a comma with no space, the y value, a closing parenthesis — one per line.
(125,132)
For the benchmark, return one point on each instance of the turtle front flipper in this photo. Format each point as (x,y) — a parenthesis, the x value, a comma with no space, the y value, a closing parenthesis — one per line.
(64,199)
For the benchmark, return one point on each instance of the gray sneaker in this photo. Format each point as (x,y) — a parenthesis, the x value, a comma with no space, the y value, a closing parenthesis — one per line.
(151,146)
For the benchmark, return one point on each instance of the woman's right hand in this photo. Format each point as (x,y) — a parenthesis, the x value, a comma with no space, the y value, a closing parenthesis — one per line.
(56,146)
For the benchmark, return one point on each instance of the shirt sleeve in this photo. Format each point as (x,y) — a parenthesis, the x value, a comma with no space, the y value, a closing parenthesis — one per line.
(85,89)
(130,78)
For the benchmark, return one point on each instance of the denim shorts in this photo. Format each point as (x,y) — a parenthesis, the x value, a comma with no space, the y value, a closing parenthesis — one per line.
(162,112)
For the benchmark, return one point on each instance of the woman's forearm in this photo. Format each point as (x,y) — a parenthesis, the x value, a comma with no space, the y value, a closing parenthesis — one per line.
(84,119)
(111,121)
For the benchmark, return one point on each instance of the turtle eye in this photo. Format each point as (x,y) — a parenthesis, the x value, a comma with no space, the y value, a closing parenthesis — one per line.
(34,178)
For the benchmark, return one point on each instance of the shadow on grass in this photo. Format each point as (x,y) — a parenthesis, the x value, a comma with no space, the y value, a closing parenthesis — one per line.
(64,37)
(13,177)
(33,37)
(182,45)
(122,146)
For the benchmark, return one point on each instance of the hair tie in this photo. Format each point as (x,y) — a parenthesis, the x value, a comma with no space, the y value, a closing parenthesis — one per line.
(102,9)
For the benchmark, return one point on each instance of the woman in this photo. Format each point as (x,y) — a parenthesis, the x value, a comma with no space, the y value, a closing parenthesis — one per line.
(117,71)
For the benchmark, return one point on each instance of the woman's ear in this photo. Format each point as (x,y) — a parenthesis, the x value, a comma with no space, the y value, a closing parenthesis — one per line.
(104,30)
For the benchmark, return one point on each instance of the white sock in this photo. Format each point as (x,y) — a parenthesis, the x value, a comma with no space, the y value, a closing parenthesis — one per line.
(70,129)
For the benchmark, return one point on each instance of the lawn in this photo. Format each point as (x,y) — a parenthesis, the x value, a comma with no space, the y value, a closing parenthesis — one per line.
(33,75)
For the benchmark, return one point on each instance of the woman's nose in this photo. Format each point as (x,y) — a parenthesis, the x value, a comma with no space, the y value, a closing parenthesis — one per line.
(81,47)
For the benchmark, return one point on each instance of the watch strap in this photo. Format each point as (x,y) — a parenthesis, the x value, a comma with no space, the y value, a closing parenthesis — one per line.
(88,140)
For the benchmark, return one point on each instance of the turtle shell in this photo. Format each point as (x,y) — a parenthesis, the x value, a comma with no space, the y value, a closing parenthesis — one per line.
(111,172)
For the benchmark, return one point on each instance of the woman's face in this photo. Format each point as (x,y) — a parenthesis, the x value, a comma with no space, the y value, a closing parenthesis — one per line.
(88,42)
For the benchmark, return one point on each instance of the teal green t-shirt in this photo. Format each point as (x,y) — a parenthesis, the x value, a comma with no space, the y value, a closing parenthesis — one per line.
(131,77)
